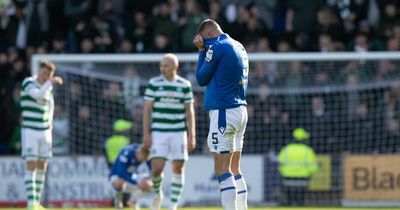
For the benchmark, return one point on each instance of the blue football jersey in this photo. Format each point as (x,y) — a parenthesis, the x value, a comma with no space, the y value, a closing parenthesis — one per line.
(127,167)
(223,67)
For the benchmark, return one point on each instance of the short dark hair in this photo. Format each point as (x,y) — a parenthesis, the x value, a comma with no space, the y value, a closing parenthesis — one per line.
(48,64)
(207,23)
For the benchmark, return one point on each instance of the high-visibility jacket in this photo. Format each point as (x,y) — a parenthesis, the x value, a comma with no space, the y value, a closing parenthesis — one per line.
(114,145)
(297,160)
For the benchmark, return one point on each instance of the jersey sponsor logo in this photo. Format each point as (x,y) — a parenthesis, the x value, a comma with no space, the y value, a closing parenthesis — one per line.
(169,100)
(209,55)
(222,129)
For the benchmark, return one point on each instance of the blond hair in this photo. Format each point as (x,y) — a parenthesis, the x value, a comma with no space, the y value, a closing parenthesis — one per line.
(48,64)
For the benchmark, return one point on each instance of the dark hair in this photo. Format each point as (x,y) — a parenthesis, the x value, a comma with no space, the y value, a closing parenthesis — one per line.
(207,23)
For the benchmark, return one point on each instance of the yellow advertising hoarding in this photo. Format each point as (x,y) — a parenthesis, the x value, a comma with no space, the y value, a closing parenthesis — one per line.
(371,177)
(321,180)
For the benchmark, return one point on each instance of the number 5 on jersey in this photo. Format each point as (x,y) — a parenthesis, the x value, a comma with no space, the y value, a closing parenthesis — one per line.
(215,138)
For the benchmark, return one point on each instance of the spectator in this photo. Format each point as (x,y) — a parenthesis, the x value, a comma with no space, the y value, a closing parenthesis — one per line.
(131,87)
(136,30)
(126,46)
(105,35)
(301,17)
(393,44)
(162,23)
(61,129)
(215,11)
(328,23)
(362,130)
(77,15)
(263,45)
(58,45)
(87,46)
(37,22)
(161,44)
(16,31)
(82,132)
(188,25)
(4,18)
(319,120)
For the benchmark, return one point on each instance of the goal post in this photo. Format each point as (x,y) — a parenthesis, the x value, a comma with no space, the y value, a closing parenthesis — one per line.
(348,102)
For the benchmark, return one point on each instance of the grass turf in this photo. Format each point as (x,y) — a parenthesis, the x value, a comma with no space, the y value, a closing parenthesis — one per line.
(211,208)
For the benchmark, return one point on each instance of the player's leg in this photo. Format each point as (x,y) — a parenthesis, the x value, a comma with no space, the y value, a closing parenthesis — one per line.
(117,183)
(121,187)
(159,152)
(240,182)
(221,142)
(138,191)
(235,166)
(157,167)
(179,154)
(30,154)
(45,153)
(30,180)
(226,180)
(40,179)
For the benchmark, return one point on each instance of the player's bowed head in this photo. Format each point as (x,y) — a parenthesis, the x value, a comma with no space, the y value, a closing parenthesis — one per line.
(208,28)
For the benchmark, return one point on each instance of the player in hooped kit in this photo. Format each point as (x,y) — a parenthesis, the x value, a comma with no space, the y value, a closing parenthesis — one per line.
(169,127)
(37,104)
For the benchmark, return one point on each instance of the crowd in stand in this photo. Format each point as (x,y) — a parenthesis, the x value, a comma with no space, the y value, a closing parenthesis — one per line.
(157,26)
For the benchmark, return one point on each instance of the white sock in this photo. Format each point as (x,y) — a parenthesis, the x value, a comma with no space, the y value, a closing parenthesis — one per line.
(40,179)
(134,190)
(177,182)
(241,192)
(128,187)
(227,186)
(30,187)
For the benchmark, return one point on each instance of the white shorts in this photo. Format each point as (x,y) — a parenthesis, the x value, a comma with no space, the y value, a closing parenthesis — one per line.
(229,139)
(169,145)
(36,144)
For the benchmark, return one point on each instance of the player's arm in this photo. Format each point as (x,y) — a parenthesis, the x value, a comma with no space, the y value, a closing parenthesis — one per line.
(121,167)
(207,64)
(39,93)
(148,107)
(147,110)
(191,126)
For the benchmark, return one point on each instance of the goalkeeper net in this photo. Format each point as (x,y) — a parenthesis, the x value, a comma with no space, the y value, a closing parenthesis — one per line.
(348,103)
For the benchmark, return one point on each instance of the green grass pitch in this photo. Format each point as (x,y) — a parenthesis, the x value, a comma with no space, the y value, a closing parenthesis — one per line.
(210,208)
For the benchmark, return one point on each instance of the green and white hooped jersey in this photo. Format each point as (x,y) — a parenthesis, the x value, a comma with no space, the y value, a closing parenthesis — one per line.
(37,110)
(170,98)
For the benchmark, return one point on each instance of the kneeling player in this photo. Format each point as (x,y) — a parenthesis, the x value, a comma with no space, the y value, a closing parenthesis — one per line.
(131,173)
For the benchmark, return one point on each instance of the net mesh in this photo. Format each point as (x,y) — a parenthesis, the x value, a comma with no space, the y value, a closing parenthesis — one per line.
(347,106)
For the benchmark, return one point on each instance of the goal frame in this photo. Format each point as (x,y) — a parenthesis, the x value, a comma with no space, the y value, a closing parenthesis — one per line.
(186,57)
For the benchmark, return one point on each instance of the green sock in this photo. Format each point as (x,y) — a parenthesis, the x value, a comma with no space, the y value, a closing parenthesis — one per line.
(30,187)
(157,182)
(40,178)
(176,187)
